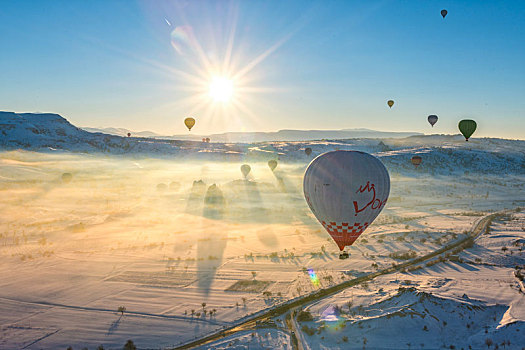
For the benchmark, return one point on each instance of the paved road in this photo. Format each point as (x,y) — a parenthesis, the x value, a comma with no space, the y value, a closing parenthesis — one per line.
(246,324)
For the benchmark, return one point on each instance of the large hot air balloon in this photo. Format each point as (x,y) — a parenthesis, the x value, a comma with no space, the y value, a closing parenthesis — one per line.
(272,164)
(390,103)
(67,177)
(245,169)
(432,119)
(467,127)
(189,122)
(308,151)
(444,13)
(346,190)
(416,160)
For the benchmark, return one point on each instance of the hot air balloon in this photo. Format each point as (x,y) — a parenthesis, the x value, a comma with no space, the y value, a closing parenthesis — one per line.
(390,103)
(129,134)
(444,13)
(272,164)
(67,177)
(189,122)
(207,140)
(308,151)
(346,190)
(432,119)
(203,139)
(467,127)
(416,160)
(245,169)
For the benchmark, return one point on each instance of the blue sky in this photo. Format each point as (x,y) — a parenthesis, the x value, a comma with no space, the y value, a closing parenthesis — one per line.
(328,64)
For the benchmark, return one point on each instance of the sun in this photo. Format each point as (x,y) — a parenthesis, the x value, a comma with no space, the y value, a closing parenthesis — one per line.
(221,89)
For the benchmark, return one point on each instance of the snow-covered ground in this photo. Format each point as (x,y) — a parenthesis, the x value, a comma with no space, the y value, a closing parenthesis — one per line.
(461,302)
(73,253)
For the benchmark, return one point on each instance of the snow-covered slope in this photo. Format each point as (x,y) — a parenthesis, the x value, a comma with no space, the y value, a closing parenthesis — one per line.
(442,154)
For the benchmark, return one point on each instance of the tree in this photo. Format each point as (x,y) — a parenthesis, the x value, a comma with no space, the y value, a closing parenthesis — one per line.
(100,347)
(364,342)
(192,312)
(129,345)
(121,309)
(254,274)
(244,301)
(488,342)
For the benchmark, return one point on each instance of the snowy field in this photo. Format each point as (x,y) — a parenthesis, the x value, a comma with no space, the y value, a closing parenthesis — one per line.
(187,258)
(463,302)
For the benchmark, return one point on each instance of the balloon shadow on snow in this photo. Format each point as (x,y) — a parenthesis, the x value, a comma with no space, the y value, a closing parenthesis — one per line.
(211,245)
(194,203)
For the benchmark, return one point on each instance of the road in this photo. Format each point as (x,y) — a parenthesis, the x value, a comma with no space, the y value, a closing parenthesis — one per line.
(298,303)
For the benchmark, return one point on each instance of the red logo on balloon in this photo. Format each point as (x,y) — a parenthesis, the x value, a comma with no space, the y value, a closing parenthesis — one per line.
(374,202)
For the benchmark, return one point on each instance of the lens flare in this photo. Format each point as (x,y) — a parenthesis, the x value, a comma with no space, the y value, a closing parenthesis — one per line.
(313,277)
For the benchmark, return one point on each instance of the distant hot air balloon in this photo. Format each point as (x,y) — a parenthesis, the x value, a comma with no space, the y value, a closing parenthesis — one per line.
(432,119)
(390,103)
(444,13)
(416,160)
(207,139)
(272,164)
(308,151)
(129,134)
(245,169)
(346,190)
(189,122)
(67,177)
(467,127)
(203,139)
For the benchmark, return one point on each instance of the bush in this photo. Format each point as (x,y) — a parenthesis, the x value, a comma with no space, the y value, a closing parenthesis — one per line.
(304,316)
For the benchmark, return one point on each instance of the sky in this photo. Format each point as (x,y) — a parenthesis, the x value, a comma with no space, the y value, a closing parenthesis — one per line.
(292,64)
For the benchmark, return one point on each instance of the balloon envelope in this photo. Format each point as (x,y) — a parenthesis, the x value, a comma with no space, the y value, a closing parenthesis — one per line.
(346,190)
(444,13)
(467,127)
(207,139)
(129,134)
(390,103)
(308,151)
(432,119)
(189,122)
(245,169)
(272,164)
(416,160)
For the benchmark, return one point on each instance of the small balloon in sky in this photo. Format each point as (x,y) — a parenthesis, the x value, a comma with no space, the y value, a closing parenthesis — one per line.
(467,128)
(272,164)
(390,103)
(181,39)
(444,13)
(189,122)
(245,169)
(416,160)
(432,119)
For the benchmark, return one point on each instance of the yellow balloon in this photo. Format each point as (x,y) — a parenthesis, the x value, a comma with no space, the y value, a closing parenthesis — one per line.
(390,103)
(189,122)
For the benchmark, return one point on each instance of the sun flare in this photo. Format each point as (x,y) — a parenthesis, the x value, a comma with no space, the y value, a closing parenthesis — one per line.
(221,89)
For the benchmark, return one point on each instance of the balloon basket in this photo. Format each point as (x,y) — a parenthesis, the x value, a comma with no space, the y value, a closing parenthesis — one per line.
(343,255)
